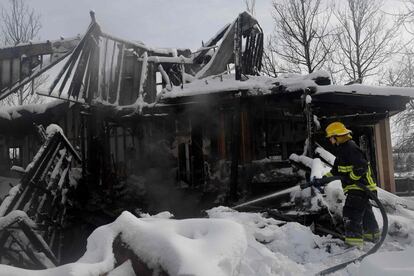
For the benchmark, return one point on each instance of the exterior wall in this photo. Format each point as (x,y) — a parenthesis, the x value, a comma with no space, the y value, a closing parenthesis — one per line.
(383,148)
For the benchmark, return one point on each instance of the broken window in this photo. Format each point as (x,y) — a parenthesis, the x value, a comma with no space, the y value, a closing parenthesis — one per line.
(15,155)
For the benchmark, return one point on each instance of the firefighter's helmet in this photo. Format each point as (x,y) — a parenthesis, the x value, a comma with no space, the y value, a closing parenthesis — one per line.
(336,129)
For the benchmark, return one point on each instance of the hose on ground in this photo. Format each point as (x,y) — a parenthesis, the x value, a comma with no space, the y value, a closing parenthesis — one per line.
(375,247)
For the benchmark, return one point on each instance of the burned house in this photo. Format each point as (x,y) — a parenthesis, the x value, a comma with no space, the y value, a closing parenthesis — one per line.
(172,129)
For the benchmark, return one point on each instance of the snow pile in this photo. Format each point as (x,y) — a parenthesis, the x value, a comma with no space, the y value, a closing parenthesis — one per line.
(277,248)
(180,247)
(186,247)
(233,243)
(259,259)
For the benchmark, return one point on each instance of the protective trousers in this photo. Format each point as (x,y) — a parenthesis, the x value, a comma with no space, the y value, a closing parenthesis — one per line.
(359,219)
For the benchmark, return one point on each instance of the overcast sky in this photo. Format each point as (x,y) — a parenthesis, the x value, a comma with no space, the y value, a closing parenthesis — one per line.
(157,23)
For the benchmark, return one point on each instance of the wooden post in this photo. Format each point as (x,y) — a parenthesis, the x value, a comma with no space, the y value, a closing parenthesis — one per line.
(235,152)
(383,148)
(197,157)
(222,136)
(245,135)
(83,142)
(237,48)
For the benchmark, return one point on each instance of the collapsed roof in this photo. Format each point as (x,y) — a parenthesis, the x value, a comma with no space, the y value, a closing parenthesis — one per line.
(100,69)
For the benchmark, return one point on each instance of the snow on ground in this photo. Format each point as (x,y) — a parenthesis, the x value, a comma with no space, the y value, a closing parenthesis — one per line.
(235,243)
(232,243)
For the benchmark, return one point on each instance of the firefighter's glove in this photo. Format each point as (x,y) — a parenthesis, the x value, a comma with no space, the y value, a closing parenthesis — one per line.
(316,182)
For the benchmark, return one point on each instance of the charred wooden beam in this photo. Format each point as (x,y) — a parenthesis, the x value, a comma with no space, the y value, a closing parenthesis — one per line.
(71,61)
(213,41)
(26,238)
(41,195)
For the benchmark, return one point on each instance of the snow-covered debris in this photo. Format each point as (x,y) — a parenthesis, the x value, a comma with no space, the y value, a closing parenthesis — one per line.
(223,83)
(164,215)
(329,157)
(15,112)
(52,129)
(35,158)
(318,168)
(180,247)
(259,259)
(13,217)
(307,161)
(254,85)
(233,243)
(17,169)
(7,201)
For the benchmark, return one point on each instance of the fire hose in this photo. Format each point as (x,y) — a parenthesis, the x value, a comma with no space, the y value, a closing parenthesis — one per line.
(374,249)
(323,182)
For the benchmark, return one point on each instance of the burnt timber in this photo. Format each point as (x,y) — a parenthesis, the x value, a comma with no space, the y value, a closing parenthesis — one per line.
(171,129)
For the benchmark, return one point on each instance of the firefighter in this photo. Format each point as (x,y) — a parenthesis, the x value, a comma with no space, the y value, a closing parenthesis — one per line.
(352,166)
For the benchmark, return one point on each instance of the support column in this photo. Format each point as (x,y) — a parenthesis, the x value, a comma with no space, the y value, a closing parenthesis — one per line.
(222,136)
(383,149)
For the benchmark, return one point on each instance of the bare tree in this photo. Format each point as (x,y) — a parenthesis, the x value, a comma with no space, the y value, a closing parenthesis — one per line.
(366,39)
(303,37)
(20,24)
(270,61)
(407,15)
(401,74)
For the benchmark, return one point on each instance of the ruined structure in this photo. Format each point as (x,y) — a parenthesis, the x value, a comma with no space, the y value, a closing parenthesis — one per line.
(159,129)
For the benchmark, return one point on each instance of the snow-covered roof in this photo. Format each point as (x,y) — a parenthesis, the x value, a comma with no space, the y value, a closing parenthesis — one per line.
(254,85)
(367,90)
(15,112)
(263,85)
(220,84)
